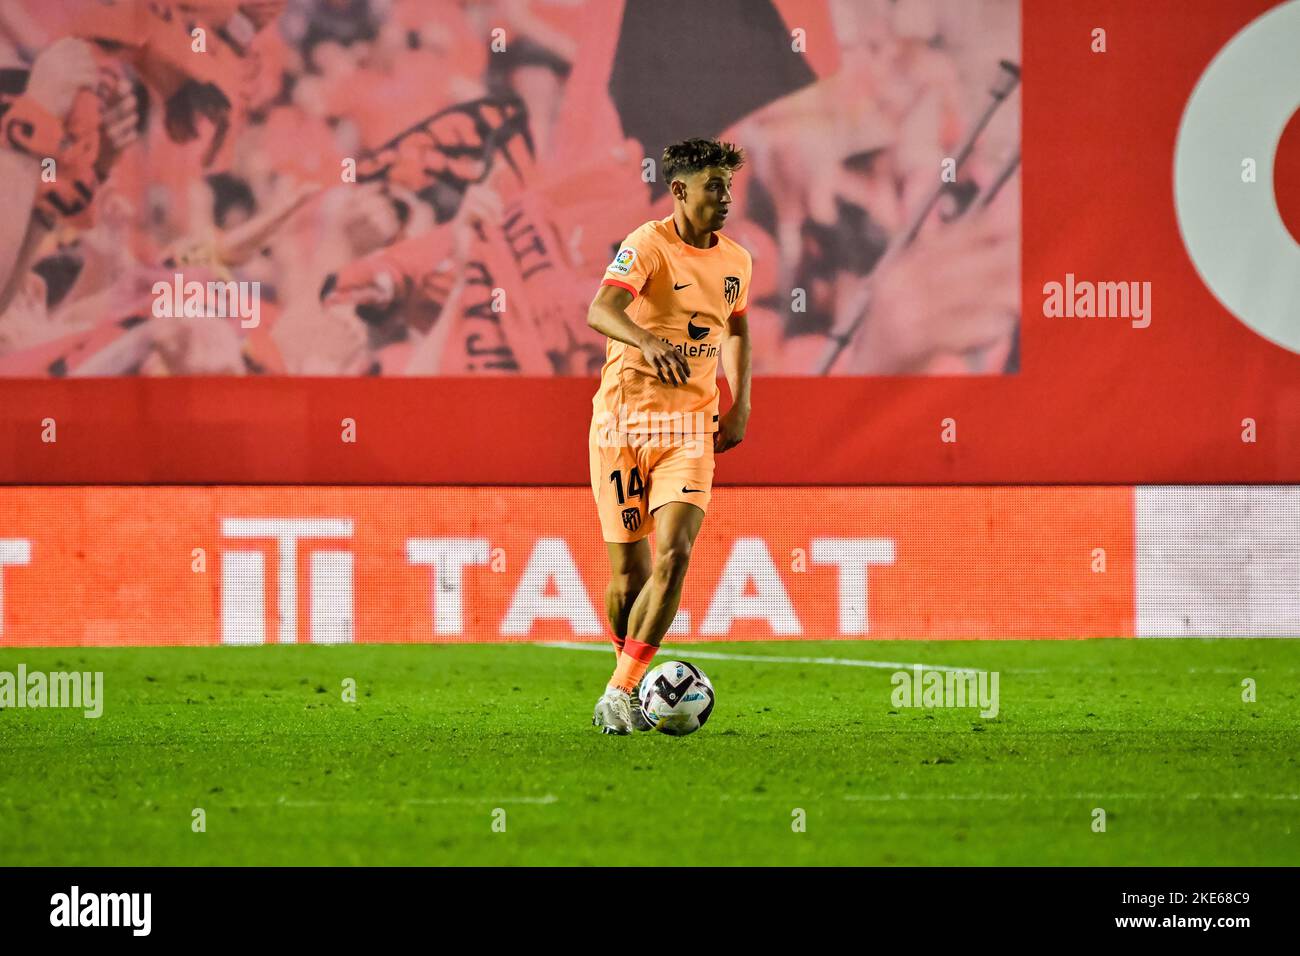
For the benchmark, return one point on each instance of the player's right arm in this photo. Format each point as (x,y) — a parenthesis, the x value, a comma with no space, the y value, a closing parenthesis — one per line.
(608,316)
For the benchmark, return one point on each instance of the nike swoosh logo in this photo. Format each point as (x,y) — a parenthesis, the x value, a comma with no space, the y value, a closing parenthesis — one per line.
(679,288)
(689,491)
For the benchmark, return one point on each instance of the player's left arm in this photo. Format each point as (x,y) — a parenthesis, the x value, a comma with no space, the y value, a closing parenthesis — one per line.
(736,364)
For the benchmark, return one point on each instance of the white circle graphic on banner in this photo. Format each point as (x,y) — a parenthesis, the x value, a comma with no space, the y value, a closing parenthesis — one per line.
(1232,229)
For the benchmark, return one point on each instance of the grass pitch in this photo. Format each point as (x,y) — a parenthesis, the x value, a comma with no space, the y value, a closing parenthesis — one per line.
(441,739)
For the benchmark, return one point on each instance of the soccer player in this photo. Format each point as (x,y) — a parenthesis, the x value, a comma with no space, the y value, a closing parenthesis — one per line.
(672,301)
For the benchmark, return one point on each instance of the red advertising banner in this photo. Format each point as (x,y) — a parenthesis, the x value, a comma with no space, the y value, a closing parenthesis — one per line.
(139,566)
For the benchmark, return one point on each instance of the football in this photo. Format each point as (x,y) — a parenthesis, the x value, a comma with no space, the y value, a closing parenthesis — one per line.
(676,698)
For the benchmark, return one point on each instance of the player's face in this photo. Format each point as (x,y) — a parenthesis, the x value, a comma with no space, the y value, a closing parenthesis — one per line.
(707,198)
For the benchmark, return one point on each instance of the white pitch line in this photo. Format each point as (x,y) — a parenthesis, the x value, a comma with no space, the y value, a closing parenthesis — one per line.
(414,801)
(882,797)
(980,797)
(774,659)
(549,798)
(1071,796)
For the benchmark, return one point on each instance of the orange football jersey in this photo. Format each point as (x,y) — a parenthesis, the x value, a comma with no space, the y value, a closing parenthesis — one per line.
(685,296)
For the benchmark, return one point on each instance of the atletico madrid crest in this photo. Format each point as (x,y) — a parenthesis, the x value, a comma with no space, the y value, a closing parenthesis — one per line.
(731,289)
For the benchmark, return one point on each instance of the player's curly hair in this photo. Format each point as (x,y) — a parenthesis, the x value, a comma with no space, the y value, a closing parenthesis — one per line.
(692,155)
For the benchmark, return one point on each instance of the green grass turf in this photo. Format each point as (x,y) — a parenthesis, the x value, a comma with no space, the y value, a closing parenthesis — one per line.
(1154,732)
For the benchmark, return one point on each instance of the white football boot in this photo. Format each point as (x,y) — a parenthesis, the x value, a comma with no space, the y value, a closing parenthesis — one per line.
(639,721)
(613,713)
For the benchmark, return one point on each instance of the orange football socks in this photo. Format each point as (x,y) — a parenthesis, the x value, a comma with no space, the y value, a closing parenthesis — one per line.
(632,665)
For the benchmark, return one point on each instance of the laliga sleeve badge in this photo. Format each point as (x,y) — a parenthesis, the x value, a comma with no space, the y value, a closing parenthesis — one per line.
(622,263)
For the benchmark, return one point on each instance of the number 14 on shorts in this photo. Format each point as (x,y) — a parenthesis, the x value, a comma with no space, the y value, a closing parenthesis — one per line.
(635,487)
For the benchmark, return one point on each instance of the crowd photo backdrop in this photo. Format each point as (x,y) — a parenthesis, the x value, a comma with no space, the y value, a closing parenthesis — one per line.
(381,168)
(404,208)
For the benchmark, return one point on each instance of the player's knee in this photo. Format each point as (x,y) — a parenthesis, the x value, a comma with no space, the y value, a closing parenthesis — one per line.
(673,559)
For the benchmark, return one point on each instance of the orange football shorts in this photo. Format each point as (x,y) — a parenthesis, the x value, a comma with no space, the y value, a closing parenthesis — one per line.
(632,475)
